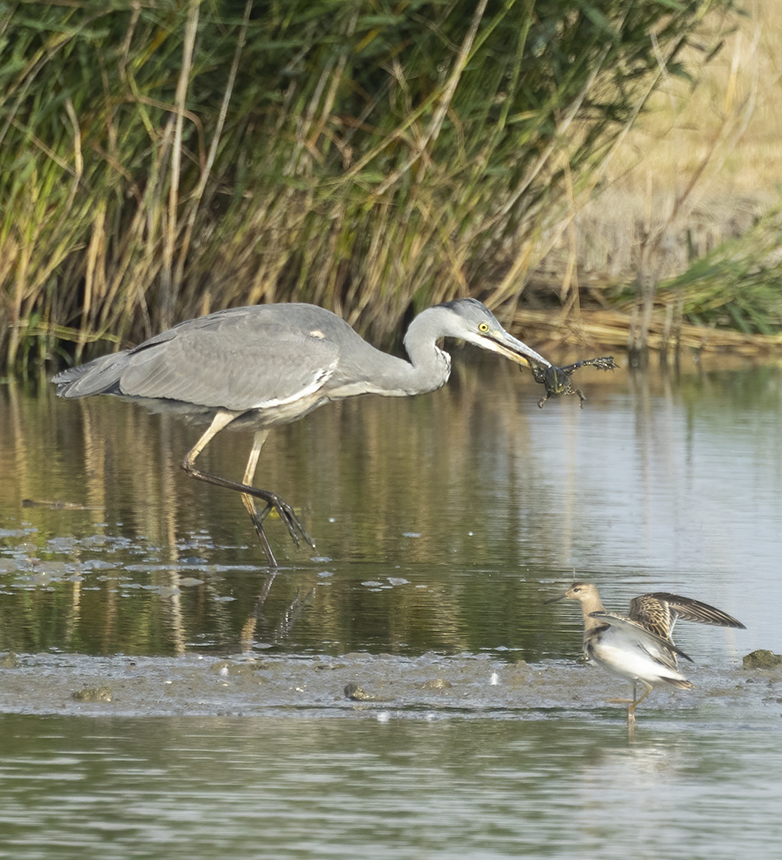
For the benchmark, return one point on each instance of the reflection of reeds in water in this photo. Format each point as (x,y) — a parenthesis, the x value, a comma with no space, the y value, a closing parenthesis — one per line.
(380,482)
(500,494)
(363,463)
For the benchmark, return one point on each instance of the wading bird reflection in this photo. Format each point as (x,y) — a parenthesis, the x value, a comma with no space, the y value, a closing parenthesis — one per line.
(261,366)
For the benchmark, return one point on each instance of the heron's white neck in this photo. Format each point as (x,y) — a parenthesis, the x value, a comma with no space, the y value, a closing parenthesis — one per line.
(429,367)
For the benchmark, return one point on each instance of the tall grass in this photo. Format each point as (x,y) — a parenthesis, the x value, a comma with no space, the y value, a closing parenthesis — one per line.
(736,286)
(695,172)
(163,159)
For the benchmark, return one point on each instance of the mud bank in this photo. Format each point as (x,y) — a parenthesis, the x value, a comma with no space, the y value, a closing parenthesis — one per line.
(378,686)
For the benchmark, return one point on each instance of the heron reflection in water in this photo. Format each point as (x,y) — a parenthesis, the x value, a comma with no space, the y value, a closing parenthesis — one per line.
(261,366)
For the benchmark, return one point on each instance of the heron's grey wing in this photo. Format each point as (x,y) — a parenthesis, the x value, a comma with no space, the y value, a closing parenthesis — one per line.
(232,362)
(657,646)
(693,610)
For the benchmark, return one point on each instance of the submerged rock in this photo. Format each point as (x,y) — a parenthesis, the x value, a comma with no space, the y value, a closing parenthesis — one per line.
(9,661)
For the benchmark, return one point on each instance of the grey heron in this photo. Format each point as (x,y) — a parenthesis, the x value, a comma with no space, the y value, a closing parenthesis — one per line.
(640,647)
(260,366)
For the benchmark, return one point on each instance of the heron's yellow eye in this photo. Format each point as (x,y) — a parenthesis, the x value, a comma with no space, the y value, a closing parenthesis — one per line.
(483,327)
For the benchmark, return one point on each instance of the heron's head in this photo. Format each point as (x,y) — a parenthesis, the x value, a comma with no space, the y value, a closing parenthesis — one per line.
(472,321)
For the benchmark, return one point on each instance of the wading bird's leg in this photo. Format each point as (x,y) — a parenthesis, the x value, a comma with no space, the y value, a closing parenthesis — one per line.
(622,701)
(630,702)
(221,420)
(636,702)
(249,474)
(249,503)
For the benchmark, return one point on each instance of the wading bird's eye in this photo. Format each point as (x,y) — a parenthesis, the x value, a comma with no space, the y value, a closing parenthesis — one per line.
(484,327)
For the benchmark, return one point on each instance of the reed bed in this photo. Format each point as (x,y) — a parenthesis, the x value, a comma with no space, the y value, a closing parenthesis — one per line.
(688,210)
(606,330)
(162,159)
(729,300)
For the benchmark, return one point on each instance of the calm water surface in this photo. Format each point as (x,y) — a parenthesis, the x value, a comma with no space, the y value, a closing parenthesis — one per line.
(292,788)
(442,523)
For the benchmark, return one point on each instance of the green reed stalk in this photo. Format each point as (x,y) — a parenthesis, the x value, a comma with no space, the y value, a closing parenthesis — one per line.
(163,160)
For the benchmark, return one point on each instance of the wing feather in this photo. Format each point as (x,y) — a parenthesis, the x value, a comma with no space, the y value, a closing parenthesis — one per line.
(688,609)
(648,640)
(238,359)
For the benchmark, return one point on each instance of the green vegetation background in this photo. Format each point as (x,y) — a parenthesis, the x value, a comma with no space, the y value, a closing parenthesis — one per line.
(167,158)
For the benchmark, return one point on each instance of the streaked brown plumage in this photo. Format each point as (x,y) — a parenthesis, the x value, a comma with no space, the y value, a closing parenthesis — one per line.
(640,646)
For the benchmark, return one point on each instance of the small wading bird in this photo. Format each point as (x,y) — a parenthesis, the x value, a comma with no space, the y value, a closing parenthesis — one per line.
(639,647)
(257,367)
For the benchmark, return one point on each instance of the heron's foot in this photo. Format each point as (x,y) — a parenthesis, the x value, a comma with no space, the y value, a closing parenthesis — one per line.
(259,530)
(288,516)
(285,511)
(260,517)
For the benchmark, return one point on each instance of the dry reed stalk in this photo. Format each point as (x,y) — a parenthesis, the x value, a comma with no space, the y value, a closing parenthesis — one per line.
(370,163)
(608,329)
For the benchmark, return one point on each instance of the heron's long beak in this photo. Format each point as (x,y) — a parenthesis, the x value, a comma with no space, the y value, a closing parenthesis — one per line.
(507,345)
(555,599)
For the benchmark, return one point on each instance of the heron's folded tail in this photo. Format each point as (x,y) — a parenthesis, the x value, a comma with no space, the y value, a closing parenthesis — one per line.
(96,377)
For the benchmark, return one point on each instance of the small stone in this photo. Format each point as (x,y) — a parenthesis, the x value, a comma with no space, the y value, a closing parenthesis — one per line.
(354,691)
(436,684)
(93,694)
(762,659)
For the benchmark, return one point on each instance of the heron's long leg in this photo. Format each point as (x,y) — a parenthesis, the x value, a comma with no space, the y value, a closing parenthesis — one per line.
(221,420)
(249,503)
(249,473)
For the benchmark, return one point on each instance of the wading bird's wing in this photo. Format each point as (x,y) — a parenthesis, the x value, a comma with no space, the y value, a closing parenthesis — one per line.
(654,614)
(687,608)
(237,359)
(639,636)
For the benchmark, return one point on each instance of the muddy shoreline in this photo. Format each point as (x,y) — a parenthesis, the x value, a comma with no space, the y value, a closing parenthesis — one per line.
(354,684)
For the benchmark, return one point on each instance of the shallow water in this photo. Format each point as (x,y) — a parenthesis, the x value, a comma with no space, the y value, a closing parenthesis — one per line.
(440,788)
(442,523)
